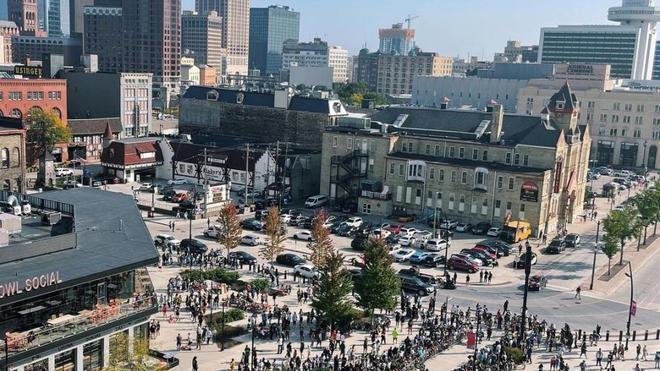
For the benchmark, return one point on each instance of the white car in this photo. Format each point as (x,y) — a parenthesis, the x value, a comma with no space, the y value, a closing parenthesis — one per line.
(422,236)
(407,240)
(250,240)
(463,227)
(448,224)
(285,218)
(303,235)
(72,184)
(145,187)
(380,233)
(307,271)
(436,244)
(619,208)
(494,232)
(62,171)
(176,181)
(355,221)
(407,231)
(401,255)
(167,239)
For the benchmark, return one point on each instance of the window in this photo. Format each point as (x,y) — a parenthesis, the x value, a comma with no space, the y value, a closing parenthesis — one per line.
(603,117)
(639,120)
(475,154)
(615,118)
(640,108)
(516,159)
(441,175)
(499,182)
(526,160)
(452,151)
(616,106)
(410,146)
(627,107)
(404,147)
(484,156)
(637,133)
(511,183)
(464,177)
(508,205)
(437,150)
(498,204)
(427,149)
(454,176)
(522,208)
(461,152)
(391,169)
(626,119)
(334,142)
(349,143)
(401,170)
(507,158)
(432,173)
(4,158)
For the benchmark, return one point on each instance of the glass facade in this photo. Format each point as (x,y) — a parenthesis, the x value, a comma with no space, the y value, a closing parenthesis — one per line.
(614,48)
(656,63)
(65,361)
(93,356)
(269,28)
(41,365)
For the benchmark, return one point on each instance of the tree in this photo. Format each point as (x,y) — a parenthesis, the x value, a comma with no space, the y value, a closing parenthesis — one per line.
(230,233)
(610,248)
(379,285)
(45,130)
(622,224)
(276,236)
(122,359)
(647,205)
(332,290)
(321,244)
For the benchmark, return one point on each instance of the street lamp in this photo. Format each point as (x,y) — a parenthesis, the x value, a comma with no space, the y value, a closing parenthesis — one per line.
(629,275)
(593,267)
(222,327)
(528,268)
(253,351)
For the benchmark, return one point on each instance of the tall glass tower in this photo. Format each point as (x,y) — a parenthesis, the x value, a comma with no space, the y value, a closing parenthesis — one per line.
(269,28)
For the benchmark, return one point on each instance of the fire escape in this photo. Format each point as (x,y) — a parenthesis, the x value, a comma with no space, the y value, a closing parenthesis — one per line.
(348,170)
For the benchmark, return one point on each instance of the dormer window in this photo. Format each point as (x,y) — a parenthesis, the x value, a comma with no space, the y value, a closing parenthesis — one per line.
(212,95)
(560,104)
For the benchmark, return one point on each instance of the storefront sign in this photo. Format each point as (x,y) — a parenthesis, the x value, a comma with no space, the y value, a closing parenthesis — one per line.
(529,192)
(34,283)
(29,71)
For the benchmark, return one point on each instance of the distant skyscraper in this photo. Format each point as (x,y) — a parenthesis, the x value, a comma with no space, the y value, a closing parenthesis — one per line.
(3,10)
(76,16)
(146,34)
(54,17)
(316,54)
(396,40)
(269,28)
(235,32)
(629,47)
(201,36)
(24,14)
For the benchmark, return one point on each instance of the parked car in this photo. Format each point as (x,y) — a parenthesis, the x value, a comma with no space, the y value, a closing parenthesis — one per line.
(556,247)
(380,233)
(448,224)
(251,240)
(242,256)
(167,240)
(407,231)
(62,171)
(402,254)
(346,230)
(414,272)
(430,260)
(503,248)
(213,231)
(303,235)
(436,244)
(461,263)
(316,201)
(463,227)
(520,262)
(416,285)
(145,187)
(358,243)
(537,282)
(176,182)
(421,237)
(193,246)
(355,221)
(252,224)
(478,256)
(481,228)
(490,250)
(407,240)
(395,228)
(180,197)
(307,271)
(494,231)
(290,260)
(572,240)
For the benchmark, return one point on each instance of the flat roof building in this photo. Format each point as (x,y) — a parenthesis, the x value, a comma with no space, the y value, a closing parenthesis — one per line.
(269,28)
(201,37)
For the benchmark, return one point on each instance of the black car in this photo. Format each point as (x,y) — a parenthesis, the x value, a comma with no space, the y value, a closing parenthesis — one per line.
(520,263)
(358,243)
(556,246)
(412,272)
(290,260)
(432,261)
(252,225)
(415,284)
(242,257)
(485,258)
(502,248)
(167,195)
(572,240)
(481,228)
(193,246)
(537,282)
(346,230)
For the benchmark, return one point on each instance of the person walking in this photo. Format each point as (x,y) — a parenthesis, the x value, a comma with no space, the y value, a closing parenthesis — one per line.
(195,367)
(577,293)
(178,341)
(599,357)
(467,280)
(395,335)
(638,351)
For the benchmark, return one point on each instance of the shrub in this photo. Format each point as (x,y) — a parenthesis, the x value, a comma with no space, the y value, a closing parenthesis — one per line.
(515,354)
(230,315)
(218,275)
(230,332)
(260,284)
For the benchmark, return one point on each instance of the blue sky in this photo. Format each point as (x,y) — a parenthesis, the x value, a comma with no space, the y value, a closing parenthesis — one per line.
(450,27)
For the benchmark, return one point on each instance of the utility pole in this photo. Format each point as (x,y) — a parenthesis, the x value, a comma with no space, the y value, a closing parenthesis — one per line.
(593,267)
(286,156)
(247,170)
(630,275)
(523,318)
(277,169)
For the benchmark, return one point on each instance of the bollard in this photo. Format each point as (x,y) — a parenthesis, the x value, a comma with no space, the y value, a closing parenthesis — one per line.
(657,335)
(620,335)
(646,335)
(607,335)
(579,334)
(634,334)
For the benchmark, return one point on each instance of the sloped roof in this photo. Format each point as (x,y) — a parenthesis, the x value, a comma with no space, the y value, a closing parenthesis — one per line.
(566,96)
(316,105)
(234,158)
(127,152)
(94,126)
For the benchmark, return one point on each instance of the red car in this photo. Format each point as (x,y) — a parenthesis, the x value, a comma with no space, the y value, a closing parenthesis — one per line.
(486,250)
(395,228)
(180,197)
(459,263)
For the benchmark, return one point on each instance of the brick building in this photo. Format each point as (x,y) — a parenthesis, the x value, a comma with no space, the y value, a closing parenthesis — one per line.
(12,155)
(19,96)
(87,136)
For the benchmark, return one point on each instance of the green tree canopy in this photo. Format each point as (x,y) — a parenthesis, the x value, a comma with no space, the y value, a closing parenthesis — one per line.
(379,285)
(230,234)
(45,130)
(610,247)
(273,229)
(622,224)
(321,244)
(331,298)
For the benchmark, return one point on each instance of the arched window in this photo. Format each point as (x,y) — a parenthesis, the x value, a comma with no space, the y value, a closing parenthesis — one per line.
(35,109)
(57,112)
(16,113)
(15,157)
(2,114)
(4,158)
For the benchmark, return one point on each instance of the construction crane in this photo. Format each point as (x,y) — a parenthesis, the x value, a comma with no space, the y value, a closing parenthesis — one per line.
(410,18)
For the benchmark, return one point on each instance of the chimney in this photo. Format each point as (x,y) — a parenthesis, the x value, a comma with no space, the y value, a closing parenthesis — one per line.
(496,123)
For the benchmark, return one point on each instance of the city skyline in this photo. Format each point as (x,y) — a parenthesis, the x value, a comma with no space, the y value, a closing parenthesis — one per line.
(511,20)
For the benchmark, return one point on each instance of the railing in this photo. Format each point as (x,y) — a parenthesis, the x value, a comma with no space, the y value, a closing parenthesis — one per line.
(377,195)
(84,321)
(348,156)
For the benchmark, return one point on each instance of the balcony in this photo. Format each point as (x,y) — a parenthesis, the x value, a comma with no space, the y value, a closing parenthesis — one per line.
(385,196)
(85,322)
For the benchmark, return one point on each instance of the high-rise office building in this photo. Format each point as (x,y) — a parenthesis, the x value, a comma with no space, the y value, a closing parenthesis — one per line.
(235,32)
(396,40)
(54,17)
(629,47)
(269,28)
(201,37)
(316,54)
(4,15)
(24,14)
(76,15)
(150,38)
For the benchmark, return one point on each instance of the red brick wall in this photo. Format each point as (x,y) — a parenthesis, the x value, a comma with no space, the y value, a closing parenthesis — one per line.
(44,101)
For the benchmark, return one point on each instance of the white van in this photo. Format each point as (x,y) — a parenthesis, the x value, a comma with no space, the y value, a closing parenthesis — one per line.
(316,201)
(213,231)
